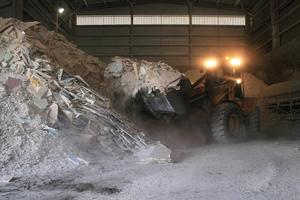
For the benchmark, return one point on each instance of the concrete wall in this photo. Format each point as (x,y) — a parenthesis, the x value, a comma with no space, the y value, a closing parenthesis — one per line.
(180,46)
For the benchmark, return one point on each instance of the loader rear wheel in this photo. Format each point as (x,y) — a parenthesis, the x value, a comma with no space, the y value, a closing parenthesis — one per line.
(227,124)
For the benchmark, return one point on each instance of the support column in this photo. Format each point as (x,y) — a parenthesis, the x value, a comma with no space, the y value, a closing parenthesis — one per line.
(18,6)
(131,30)
(275,23)
(190,6)
(248,29)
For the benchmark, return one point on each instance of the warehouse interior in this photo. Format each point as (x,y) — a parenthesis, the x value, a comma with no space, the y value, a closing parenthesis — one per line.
(149,99)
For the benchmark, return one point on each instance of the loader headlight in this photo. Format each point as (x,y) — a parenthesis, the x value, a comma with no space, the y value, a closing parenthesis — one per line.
(239,81)
(235,62)
(211,63)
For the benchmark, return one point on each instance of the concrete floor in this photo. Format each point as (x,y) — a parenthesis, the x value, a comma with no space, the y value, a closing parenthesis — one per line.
(259,170)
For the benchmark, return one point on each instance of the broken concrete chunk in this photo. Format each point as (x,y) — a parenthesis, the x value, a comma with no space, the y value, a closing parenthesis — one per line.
(53,114)
(2,88)
(38,86)
(41,103)
(77,160)
(7,57)
(12,83)
(50,131)
(157,153)
(48,94)
(18,67)
(4,64)
(2,54)
(68,114)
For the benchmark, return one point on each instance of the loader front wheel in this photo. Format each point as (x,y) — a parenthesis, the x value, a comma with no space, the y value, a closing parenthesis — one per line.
(227,124)
(254,123)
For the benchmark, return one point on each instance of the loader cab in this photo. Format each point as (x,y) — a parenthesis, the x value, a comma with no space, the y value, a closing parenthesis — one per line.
(223,80)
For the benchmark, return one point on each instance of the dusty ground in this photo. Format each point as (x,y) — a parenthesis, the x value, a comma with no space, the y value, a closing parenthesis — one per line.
(253,170)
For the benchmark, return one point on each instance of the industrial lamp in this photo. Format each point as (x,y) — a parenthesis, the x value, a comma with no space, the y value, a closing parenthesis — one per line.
(61,10)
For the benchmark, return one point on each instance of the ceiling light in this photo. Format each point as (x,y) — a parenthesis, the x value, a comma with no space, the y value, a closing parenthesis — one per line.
(61,10)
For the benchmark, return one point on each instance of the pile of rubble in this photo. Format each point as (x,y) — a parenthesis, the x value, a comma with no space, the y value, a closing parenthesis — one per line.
(61,52)
(41,100)
(126,77)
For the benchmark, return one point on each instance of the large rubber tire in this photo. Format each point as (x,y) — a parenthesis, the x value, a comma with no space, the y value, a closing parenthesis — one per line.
(254,123)
(227,124)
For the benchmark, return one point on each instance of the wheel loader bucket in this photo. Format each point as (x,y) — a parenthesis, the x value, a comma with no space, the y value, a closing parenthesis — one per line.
(170,103)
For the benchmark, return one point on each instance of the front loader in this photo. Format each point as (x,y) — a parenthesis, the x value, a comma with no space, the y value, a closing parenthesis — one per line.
(218,91)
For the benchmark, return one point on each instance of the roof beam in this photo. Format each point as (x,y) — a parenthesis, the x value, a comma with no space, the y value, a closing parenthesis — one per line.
(112,4)
(129,2)
(237,2)
(219,4)
(86,3)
